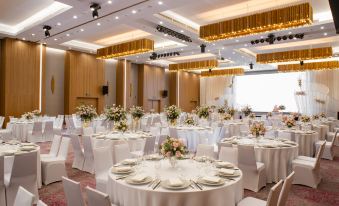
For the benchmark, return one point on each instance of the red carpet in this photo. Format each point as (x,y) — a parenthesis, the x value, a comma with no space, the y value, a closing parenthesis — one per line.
(327,193)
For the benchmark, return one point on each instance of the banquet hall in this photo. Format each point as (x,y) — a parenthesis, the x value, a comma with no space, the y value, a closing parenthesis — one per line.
(169,103)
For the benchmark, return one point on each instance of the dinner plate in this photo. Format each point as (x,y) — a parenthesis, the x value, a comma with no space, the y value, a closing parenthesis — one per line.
(145,181)
(235,174)
(27,148)
(202,181)
(115,171)
(165,184)
(229,166)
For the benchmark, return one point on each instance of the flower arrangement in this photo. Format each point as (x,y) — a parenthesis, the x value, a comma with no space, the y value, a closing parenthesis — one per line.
(28,116)
(137,112)
(36,113)
(203,112)
(295,116)
(115,113)
(231,111)
(227,116)
(189,121)
(322,115)
(269,114)
(173,147)
(172,113)
(247,110)
(257,129)
(252,115)
(86,112)
(305,119)
(289,122)
(282,107)
(121,126)
(221,110)
(315,117)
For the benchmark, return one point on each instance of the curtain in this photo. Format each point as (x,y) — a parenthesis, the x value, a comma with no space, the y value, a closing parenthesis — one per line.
(215,90)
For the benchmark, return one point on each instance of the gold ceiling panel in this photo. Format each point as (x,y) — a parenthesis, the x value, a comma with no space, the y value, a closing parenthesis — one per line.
(313,66)
(295,55)
(196,65)
(126,49)
(224,72)
(289,17)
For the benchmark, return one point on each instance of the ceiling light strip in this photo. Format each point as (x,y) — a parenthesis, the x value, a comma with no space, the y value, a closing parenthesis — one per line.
(295,55)
(314,66)
(224,72)
(126,49)
(293,16)
(176,22)
(196,65)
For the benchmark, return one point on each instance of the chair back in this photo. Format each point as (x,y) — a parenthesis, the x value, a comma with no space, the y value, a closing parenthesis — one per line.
(23,198)
(76,145)
(1,121)
(161,139)
(55,145)
(41,203)
(88,131)
(273,196)
(102,160)
(246,157)
(48,127)
(100,129)
(88,148)
(2,183)
(155,131)
(229,154)
(72,192)
(215,136)
(121,152)
(285,190)
(37,128)
(96,197)
(149,145)
(319,155)
(63,150)
(205,150)
(334,137)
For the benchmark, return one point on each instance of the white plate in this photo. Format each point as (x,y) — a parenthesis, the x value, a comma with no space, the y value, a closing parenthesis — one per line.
(202,181)
(165,184)
(145,181)
(236,174)
(115,171)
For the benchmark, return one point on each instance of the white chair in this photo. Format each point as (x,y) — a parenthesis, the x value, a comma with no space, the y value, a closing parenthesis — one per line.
(254,176)
(215,136)
(23,198)
(96,198)
(308,172)
(99,129)
(272,199)
(53,152)
(329,147)
(24,173)
(57,126)
(41,203)
(36,134)
(72,192)
(121,152)
(54,168)
(48,131)
(88,153)
(229,154)
(285,190)
(155,131)
(2,182)
(88,131)
(2,119)
(79,158)
(205,150)
(102,162)
(148,148)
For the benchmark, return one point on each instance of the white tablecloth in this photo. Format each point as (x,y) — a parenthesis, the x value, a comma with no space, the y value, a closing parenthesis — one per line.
(194,135)
(20,129)
(124,194)
(322,130)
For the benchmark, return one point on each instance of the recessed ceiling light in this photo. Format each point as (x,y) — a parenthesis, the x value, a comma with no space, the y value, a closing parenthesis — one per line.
(137,56)
(213,44)
(82,30)
(160,2)
(290,32)
(233,52)
(33,34)
(223,48)
(208,50)
(67,34)
(110,2)
(24,38)
(245,44)
(182,31)
(322,27)
(55,39)
(116,17)
(59,24)
(75,17)
(134,11)
(242,56)
(261,37)
(237,40)
(98,24)
(160,22)
(165,34)
(325,34)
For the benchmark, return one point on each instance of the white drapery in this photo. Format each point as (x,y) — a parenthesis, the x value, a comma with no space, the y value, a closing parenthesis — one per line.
(213,90)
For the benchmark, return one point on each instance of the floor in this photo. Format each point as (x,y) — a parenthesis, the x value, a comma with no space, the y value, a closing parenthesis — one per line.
(327,193)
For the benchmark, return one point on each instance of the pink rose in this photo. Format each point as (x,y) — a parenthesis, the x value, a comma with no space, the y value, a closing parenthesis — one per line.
(175,144)
(178,154)
(168,154)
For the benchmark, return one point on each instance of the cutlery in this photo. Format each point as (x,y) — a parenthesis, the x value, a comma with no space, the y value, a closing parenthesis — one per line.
(196,184)
(123,177)
(151,184)
(157,185)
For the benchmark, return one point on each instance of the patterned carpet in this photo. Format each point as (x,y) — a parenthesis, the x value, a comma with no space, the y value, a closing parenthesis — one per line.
(327,193)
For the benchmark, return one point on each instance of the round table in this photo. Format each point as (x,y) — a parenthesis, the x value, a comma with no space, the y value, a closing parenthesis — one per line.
(193,135)
(321,129)
(305,139)
(20,129)
(124,194)
(276,155)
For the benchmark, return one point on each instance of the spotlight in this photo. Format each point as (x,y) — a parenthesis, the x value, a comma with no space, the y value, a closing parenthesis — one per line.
(46,28)
(284,38)
(262,40)
(202,48)
(94,8)
(251,65)
(257,41)
(252,42)
(279,38)
(290,36)
(301,63)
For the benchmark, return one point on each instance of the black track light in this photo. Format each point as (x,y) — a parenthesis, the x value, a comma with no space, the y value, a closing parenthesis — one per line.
(262,40)
(290,36)
(251,65)
(202,48)
(301,63)
(94,8)
(279,38)
(284,37)
(46,28)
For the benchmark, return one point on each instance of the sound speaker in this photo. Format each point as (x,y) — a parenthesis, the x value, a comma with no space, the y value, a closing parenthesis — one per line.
(164,93)
(334,4)
(105,89)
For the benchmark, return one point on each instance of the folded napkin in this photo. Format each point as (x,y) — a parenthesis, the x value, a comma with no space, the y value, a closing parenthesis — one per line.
(123,169)
(27,148)
(130,161)
(139,178)
(175,182)
(224,164)
(8,152)
(27,144)
(226,171)
(211,179)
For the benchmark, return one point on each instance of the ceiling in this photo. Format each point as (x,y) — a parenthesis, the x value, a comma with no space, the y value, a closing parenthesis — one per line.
(121,20)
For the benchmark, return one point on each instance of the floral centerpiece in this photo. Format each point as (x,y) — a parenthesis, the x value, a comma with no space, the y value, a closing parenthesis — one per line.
(173,149)
(172,113)
(115,113)
(231,111)
(305,119)
(86,113)
(258,129)
(296,116)
(121,126)
(322,115)
(282,107)
(247,110)
(315,117)
(221,110)
(252,115)
(227,116)
(269,114)
(289,122)
(203,112)
(36,113)
(189,121)
(28,116)
(137,112)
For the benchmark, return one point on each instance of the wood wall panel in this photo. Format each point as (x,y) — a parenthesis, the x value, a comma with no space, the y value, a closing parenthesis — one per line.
(189,90)
(84,78)
(20,77)
(121,96)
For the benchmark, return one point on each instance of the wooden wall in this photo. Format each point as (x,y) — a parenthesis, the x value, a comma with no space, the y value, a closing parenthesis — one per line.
(20,77)
(188,89)
(152,81)
(84,78)
(120,79)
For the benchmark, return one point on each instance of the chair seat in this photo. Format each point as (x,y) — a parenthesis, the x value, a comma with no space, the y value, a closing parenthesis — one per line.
(45,156)
(52,159)
(260,166)
(251,201)
(7,178)
(303,163)
(328,144)
(312,159)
